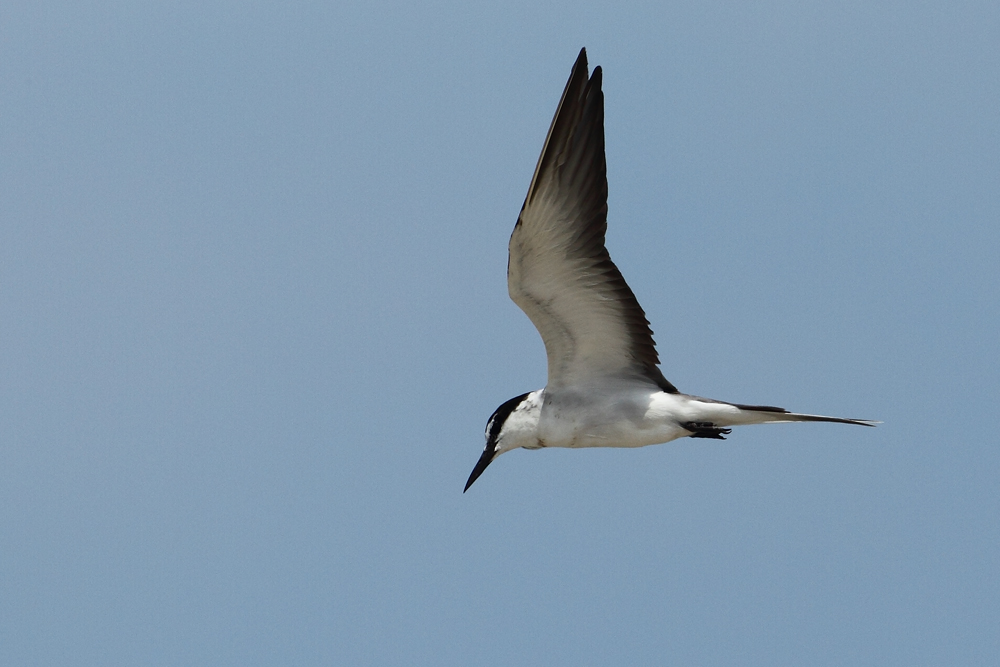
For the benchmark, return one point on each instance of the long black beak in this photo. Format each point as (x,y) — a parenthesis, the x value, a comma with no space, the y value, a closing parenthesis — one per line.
(487,458)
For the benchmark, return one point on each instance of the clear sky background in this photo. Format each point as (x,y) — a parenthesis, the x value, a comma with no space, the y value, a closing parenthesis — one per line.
(254,317)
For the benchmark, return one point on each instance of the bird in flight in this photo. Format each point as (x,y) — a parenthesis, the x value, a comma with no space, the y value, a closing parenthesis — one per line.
(605,388)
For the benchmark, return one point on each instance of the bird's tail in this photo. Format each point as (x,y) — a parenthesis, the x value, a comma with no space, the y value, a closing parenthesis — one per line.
(766,414)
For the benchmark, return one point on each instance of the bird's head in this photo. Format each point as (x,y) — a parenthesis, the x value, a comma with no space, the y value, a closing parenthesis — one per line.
(514,424)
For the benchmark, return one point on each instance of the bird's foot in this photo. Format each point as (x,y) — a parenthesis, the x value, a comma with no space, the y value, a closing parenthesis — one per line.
(706,430)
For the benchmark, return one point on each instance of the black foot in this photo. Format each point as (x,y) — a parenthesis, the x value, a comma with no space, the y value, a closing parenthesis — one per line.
(706,430)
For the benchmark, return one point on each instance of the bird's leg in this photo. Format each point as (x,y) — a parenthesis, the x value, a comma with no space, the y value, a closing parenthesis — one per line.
(706,430)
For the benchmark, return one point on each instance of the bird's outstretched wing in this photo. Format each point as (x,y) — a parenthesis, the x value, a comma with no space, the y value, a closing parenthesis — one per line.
(559,272)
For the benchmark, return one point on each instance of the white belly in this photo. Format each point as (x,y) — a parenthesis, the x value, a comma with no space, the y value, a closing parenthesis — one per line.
(633,418)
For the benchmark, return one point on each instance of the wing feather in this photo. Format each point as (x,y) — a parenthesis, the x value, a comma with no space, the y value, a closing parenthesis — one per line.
(559,272)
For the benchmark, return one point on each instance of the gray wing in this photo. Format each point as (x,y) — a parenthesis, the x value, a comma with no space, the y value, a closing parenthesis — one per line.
(559,272)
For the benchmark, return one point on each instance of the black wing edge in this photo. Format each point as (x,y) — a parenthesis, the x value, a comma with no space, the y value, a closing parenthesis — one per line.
(562,124)
(576,135)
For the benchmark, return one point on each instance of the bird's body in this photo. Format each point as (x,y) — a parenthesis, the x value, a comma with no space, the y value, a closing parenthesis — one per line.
(605,388)
(629,415)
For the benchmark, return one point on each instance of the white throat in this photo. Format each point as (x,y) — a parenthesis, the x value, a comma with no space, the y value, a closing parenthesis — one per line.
(521,427)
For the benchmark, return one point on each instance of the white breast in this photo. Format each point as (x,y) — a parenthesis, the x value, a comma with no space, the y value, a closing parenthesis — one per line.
(633,415)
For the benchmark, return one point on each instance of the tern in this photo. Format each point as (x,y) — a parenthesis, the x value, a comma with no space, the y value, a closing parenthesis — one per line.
(604,388)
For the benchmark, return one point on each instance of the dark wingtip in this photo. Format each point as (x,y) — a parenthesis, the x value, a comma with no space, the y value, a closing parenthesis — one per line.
(581,64)
(484,461)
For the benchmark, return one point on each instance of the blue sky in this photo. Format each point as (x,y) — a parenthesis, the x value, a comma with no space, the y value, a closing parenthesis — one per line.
(253,319)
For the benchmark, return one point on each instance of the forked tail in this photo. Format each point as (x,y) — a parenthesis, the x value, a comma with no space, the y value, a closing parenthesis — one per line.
(766,414)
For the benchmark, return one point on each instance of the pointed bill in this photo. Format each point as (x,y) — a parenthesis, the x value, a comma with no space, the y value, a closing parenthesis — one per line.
(484,461)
